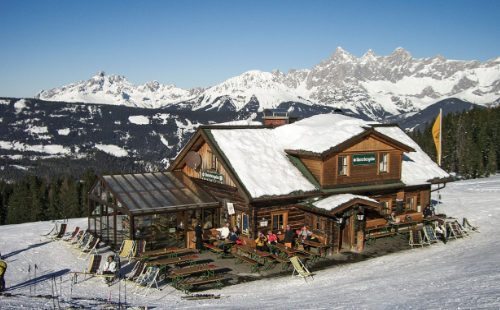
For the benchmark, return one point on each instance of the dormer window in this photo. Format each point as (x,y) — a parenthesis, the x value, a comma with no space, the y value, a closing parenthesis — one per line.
(383,163)
(343,165)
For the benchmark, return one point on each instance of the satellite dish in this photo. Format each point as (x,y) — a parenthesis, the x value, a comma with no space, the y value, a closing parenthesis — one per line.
(193,160)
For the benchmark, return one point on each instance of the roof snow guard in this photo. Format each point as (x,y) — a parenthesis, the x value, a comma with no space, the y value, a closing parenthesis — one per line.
(157,192)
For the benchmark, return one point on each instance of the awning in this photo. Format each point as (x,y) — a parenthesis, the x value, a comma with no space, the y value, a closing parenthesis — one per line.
(157,192)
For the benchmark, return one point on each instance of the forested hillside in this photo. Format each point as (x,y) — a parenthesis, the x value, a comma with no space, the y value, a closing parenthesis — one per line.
(471,142)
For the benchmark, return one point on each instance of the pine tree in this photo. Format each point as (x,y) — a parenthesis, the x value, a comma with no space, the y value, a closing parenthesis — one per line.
(19,203)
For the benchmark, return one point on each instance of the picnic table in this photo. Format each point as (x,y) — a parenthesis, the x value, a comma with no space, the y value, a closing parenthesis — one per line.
(264,258)
(173,251)
(177,274)
(321,248)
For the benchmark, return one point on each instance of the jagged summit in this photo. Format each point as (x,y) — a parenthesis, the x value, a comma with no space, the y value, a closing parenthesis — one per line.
(371,85)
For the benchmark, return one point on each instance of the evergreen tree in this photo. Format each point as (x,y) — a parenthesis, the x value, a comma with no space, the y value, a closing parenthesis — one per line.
(19,204)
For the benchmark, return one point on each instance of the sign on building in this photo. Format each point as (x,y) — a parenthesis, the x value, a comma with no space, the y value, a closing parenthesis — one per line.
(212,176)
(364,159)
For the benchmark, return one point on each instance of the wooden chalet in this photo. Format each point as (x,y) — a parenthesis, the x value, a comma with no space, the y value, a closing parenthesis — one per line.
(341,176)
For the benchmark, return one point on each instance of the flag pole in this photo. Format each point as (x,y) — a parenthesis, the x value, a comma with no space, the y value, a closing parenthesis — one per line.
(440,136)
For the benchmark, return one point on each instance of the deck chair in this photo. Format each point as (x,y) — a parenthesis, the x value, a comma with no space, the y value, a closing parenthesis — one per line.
(62,231)
(429,235)
(454,230)
(299,269)
(73,234)
(126,249)
(92,268)
(90,248)
(137,270)
(146,281)
(467,226)
(79,236)
(52,232)
(139,248)
(416,238)
(87,238)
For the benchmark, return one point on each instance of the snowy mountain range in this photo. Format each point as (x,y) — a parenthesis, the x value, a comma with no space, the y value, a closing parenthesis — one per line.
(370,86)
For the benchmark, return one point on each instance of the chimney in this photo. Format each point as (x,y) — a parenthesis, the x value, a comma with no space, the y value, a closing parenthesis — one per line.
(277,117)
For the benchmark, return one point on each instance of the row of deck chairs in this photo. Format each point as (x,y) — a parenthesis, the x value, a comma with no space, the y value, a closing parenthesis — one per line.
(427,235)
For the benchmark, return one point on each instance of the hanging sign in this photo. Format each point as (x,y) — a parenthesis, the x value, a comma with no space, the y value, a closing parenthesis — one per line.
(212,176)
(364,159)
(230,208)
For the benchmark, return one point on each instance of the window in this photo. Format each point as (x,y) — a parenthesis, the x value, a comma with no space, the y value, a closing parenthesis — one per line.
(383,162)
(214,162)
(411,203)
(386,206)
(279,220)
(245,224)
(342,165)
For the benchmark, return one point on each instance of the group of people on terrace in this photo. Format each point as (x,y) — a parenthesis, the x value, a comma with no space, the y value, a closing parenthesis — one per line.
(264,242)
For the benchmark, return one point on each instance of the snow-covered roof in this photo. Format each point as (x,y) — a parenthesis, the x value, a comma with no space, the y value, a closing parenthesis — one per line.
(332,202)
(417,166)
(259,159)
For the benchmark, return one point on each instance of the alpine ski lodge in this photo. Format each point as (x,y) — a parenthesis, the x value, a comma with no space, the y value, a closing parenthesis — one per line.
(349,180)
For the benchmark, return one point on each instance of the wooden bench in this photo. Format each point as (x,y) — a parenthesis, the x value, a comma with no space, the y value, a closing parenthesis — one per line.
(255,265)
(187,284)
(172,260)
(285,263)
(215,249)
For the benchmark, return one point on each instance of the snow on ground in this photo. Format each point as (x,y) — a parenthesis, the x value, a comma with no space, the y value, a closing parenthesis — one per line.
(139,119)
(53,149)
(20,105)
(112,149)
(63,132)
(464,273)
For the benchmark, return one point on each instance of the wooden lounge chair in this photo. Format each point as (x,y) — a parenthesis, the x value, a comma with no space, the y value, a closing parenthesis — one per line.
(467,226)
(92,268)
(139,248)
(73,234)
(430,235)
(454,230)
(126,249)
(137,270)
(84,240)
(416,238)
(79,236)
(52,232)
(62,231)
(147,280)
(299,269)
(90,248)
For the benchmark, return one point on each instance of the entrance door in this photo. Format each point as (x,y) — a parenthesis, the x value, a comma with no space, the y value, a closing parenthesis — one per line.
(347,235)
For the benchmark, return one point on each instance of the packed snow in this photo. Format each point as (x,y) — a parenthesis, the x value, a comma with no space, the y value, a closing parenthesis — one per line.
(112,149)
(139,119)
(462,274)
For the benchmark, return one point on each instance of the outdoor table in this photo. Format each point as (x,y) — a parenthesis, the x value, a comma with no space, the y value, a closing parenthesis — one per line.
(177,274)
(172,260)
(318,245)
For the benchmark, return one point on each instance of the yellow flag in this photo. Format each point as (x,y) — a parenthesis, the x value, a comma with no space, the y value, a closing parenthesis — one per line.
(436,134)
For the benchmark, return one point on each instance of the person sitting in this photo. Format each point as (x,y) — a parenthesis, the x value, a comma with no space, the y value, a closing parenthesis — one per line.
(109,269)
(289,237)
(260,242)
(224,231)
(233,235)
(272,240)
(441,232)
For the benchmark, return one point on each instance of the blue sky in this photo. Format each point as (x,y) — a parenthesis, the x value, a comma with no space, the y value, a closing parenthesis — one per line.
(44,44)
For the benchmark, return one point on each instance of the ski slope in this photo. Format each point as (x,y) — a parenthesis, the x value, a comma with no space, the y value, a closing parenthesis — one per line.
(463,273)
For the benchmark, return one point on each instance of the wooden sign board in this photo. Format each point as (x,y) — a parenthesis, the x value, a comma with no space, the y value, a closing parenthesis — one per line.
(230,208)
